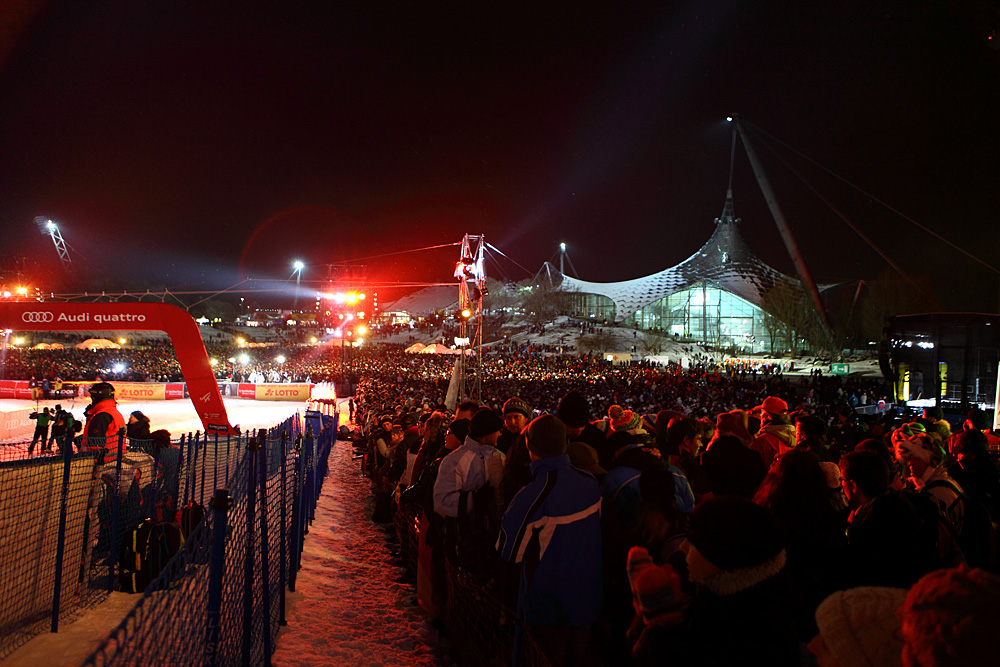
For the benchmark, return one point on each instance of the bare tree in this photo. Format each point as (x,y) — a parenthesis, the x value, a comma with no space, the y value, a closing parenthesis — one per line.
(651,344)
(601,342)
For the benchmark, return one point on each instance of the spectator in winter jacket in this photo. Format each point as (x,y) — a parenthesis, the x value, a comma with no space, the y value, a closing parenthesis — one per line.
(42,419)
(552,528)
(470,467)
(859,626)
(574,412)
(516,415)
(137,427)
(776,435)
(743,607)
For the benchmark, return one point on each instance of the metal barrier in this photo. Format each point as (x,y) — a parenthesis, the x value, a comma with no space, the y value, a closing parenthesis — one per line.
(220,600)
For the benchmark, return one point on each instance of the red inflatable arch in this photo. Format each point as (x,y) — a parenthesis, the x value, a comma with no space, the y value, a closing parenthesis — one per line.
(175,322)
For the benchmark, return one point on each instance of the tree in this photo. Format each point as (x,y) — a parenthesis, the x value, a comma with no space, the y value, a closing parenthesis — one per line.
(651,344)
(541,303)
(600,342)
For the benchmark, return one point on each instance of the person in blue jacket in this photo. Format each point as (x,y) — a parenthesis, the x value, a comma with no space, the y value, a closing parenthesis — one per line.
(552,528)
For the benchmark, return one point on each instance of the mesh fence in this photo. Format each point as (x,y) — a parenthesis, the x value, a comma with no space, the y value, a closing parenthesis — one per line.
(220,600)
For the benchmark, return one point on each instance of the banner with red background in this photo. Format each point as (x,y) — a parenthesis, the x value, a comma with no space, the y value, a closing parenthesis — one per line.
(175,322)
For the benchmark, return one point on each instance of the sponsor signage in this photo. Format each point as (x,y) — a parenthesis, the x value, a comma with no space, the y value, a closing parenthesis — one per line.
(16,389)
(173,390)
(139,391)
(840,369)
(282,392)
(16,424)
(178,324)
(245,390)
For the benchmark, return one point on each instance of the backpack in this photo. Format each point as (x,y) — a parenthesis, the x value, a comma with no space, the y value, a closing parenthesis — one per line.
(190,516)
(976,532)
(146,551)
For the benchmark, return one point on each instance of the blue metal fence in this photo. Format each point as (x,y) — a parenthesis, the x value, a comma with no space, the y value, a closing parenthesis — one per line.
(220,601)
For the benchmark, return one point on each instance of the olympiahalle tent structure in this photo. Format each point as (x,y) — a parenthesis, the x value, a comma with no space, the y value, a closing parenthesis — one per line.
(714,296)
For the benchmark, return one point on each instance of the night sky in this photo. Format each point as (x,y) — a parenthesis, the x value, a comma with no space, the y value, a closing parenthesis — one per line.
(191,145)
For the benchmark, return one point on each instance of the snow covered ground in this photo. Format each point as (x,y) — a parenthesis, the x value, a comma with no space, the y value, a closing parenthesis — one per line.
(348,608)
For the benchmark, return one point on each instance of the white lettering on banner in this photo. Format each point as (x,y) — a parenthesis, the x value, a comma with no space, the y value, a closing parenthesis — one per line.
(82,317)
(37,317)
(281,392)
(118,318)
(205,398)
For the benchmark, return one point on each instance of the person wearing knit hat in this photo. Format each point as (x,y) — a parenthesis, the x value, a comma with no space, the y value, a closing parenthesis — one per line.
(485,426)
(659,605)
(949,617)
(859,626)
(516,415)
(574,412)
(744,605)
(626,421)
(583,456)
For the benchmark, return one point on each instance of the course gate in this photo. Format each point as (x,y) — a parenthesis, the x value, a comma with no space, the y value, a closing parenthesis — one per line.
(175,322)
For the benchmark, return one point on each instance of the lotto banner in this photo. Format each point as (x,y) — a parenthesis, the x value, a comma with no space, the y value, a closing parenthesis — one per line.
(282,392)
(140,391)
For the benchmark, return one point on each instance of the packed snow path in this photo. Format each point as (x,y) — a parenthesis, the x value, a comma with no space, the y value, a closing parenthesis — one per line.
(348,608)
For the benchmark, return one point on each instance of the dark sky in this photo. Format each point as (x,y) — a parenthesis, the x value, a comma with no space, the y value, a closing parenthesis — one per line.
(190,145)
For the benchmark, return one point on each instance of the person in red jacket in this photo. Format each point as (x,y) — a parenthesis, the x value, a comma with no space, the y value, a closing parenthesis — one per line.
(103,419)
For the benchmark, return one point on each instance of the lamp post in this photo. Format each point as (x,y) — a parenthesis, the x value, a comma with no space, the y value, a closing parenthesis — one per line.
(298,265)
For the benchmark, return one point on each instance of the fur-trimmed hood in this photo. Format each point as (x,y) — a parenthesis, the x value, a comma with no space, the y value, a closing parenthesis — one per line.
(731,582)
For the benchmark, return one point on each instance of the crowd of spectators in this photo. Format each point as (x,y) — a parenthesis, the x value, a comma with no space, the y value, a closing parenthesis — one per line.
(653,515)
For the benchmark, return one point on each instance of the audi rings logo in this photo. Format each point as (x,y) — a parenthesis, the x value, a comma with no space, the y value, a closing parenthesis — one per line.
(38,316)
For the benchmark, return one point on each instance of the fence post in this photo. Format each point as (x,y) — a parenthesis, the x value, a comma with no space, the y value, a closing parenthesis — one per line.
(115,506)
(67,448)
(282,569)
(151,510)
(229,439)
(297,493)
(252,446)
(193,465)
(181,458)
(221,504)
(311,454)
(265,565)
(204,460)
(215,463)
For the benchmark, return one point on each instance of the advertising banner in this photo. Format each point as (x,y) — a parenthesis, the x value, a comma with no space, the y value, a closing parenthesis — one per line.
(16,424)
(175,322)
(174,390)
(244,390)
(139,391)
(282,392)
(15,389)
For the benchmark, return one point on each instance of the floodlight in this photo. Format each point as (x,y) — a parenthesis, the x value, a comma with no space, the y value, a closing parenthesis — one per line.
(313,339)
(298,265)
(22,290)
(562,246)
(213,362)
(280,358)
(121,341)
(729,119)
(18,341)
(362,330)
(361,297)
(244,359)
(118,368)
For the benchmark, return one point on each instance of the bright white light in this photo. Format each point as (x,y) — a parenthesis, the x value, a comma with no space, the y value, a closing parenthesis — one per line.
(280,358)
(50,224)
(214,362)
(121,341)
(729,119)
(339,297)
(231,360)
(22,290)
(18,341)
(362,330)
(926,346)
(244,359)
(240,341)
(562,246)
(298,265)
(118,368)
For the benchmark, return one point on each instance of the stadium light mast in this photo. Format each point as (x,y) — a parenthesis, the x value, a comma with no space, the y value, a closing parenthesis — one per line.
(51,229)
